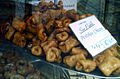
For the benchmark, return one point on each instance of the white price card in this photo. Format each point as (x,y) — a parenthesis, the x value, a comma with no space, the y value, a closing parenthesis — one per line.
(92,34)
(68,4)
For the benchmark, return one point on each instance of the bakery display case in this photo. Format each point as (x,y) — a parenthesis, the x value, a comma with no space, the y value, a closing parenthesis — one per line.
(36,41)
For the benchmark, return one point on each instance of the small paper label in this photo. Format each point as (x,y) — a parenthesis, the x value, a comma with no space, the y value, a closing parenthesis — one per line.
(68,4)
(92,34)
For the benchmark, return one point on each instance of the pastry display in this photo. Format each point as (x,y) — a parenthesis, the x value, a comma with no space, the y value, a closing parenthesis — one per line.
(47,34)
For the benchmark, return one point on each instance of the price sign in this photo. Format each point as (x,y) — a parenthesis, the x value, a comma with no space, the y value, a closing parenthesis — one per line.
(68,4)
(92,34)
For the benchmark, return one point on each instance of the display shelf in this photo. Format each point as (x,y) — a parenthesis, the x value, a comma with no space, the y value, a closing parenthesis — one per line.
(73,74)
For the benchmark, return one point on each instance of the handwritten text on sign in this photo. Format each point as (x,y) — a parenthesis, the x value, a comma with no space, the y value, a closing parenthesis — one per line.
(91,33)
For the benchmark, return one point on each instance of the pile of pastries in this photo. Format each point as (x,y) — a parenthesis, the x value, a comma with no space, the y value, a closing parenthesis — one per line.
(13,66)
(46,33)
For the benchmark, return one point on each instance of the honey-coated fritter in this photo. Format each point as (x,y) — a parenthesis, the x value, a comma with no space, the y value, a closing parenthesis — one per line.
(109,65)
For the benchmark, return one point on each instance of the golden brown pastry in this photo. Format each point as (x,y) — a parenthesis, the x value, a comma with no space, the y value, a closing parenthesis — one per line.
(30,27)
(112,51)
(36,50)
(50,25)
(32,24)
(62,36)
(53,55)
(109,65)
(87,65)
(48,44)
(99,59)
(62,47)
(18,24)
(88,14)
(78,66)
(84,16)
(41,33)
(71,42)
(66,22)
(70,61)
(36,18)
(80,56)
(19,39)
(58,30)
(78,50)
(58,23)
(9,33)
(68,44)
